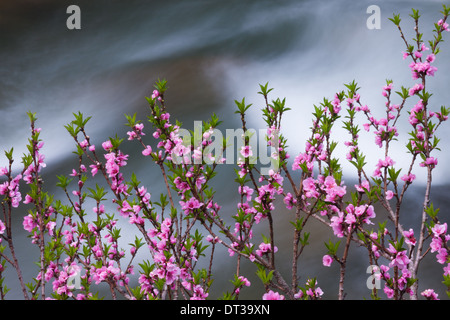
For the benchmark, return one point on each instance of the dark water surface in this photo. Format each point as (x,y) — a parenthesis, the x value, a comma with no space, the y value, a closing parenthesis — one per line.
(211,53)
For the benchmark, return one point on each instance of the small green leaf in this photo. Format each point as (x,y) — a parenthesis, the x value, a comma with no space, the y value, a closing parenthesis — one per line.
(396,19)
(63,181)
(264,90)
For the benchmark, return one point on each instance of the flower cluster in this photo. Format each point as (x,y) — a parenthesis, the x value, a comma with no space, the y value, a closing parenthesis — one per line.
(114,161)
(165,266)
(439,245)
(11,189)
(400,262)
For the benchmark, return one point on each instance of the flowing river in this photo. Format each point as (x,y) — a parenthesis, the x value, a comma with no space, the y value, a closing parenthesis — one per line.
(211,53)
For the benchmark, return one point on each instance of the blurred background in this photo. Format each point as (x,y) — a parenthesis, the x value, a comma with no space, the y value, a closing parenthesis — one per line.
(211,53)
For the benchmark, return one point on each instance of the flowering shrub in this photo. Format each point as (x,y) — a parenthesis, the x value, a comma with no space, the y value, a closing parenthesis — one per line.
(77,240)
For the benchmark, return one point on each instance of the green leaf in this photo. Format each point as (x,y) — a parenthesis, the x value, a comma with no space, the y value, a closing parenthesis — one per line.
(446,10)
(415,15)
(131,120)
(73,131)
(264,276)
(80,121)
(332,247)
(431,211)
(146,267)
(63,181)
(161,86)
(9,153)
(298,224)
(393,174)
(242,107)
(215,121)
(134,181)
(116,141)
(32,116)
(404,94)
(396,19)
(264,90)
(352,87)
(304,240)
(98,194)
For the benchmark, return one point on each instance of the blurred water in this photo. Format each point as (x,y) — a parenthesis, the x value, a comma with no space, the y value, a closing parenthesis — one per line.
(211,52)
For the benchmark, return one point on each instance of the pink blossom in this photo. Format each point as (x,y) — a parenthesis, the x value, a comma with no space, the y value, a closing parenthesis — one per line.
(230,250)
(418,108)
(2,229)
(190,205)
(94,169)
(401,260)
(272,296)
(387,162)
(409,178)
(212,239)
(389,292)
(364,185)
(302,158)
(447,270)
(327,260)
(389,195)
(101,274)
(375,250)
(28,199)
(391,249)
(3,171)
(359,210)
(199,293)
(147,151)
(429,294)
(366,126)
(138,128)
(443,25)
(439,229)
(155,94)
(172,273)
(436,244)
(409,237)
(299,294)
(28,223)
(431,57)
(314,293)
(289,201)
(132,135)
(264,248)
(246,191)
(350,219)
(74,173)
(430,161)
(332,190)
(107,145)
(309,186)
(245,281)
(182,186)
(50,227)
(418,68)
(370,214)
(442,256)
(388,87)
(336,224)
(246,151)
